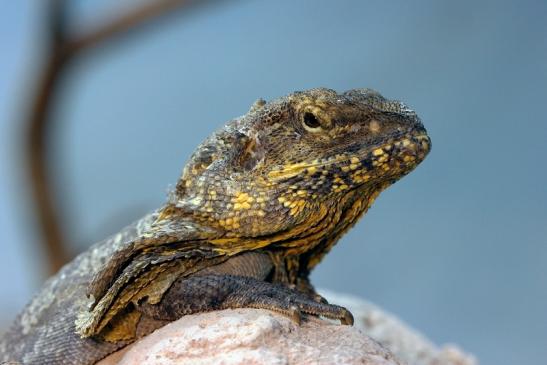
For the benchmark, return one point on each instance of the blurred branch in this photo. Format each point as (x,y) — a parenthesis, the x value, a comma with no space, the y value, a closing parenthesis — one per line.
(129,21)
(64,47)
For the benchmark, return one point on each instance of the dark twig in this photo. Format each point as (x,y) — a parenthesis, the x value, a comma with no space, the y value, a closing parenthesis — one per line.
(64,48)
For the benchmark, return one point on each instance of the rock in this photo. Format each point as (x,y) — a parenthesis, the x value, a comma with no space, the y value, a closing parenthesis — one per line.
(252,336)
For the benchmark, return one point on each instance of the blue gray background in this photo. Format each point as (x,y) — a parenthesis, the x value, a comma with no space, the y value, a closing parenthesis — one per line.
(457,249)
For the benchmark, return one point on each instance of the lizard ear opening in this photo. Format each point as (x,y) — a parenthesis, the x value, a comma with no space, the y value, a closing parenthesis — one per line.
(250,154)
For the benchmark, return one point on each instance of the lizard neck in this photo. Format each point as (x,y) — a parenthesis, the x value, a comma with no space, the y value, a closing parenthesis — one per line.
(302,254)
(298,249)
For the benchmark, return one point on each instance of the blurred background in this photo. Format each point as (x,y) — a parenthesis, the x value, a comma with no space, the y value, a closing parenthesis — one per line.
(457,249)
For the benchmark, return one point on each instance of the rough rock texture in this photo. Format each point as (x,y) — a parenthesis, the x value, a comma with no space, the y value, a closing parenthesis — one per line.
(251,336)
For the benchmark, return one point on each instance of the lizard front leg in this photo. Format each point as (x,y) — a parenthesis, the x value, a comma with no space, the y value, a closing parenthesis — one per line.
(231,286)
(203,293)
(287,270)
(304,285)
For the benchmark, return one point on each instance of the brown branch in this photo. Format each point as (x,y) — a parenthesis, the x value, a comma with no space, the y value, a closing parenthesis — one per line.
(128,21)
(63,49)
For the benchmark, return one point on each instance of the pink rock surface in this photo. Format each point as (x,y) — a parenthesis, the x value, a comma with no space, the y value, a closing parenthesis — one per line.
(250,336)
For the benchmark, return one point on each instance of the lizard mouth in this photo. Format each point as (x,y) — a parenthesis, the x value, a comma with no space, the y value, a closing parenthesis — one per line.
(394,157)
(405,147)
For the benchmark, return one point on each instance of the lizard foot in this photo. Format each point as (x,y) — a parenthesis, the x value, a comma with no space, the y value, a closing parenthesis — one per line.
(291,302)
(202,293)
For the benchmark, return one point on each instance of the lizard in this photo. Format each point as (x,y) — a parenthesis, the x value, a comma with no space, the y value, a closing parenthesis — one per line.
(258,205)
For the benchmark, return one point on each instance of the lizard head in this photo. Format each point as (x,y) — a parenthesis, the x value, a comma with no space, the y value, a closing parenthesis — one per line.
(306,158)
(331,143)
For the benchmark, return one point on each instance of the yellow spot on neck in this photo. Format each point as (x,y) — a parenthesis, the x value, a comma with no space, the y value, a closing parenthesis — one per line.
(288,171)
(240,197)
(240,206)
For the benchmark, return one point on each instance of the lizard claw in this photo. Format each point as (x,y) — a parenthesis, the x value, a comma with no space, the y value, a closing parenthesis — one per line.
(347,319)
(295,315)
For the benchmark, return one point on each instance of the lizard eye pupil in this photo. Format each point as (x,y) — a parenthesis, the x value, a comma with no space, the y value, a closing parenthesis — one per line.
(311,121)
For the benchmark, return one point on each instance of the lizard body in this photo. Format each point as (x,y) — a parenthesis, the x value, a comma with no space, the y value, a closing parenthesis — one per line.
(258,205)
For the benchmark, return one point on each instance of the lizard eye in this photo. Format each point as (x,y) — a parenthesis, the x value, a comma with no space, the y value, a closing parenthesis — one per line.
(311,122)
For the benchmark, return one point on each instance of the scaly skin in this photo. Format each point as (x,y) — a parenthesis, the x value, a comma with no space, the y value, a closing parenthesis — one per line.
(258,205)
